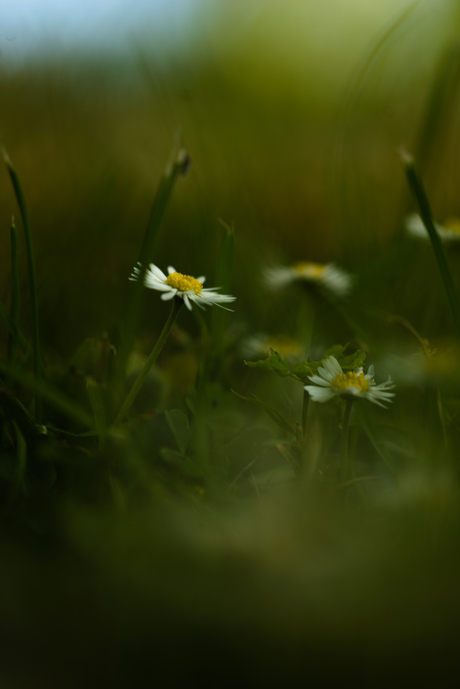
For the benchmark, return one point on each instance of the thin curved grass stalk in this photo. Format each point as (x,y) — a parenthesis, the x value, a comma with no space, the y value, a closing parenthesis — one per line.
(15,294)
(344,469)
(223,279)
(20,198)
(53,397)
(418,189)
(16,334)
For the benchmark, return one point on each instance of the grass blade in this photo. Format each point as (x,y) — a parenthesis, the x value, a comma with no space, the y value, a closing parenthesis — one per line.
(223,278)
(20,198)
(53,397)
(416,185)
(15,295)
(13,329)
(177,165)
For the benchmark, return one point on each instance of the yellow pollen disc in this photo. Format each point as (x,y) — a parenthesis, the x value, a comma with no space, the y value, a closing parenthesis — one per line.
(351,380)
(452,224)
(309,270)
(184,283)
(286,346)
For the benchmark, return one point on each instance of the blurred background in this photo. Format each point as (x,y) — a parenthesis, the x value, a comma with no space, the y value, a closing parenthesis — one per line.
(292,111)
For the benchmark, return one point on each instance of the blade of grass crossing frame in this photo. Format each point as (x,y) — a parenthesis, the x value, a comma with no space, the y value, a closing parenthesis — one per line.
(13,329)
(223,279)
(20,198)
(15,295)
(177,166)
(53,397)
(97,405)
(416,185)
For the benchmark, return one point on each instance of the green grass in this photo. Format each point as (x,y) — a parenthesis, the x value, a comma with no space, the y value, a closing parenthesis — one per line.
(226,526)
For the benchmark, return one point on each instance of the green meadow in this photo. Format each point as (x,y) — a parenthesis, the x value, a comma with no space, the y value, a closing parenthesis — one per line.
(265,493)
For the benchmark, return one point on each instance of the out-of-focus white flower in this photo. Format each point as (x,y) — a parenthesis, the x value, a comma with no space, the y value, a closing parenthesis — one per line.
(259,345)
(327,275)
(332,381)
(188,288)
(449,231)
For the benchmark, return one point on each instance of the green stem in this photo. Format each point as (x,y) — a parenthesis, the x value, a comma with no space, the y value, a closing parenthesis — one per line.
(345,428)
(13,329)
(20,198)
(126,406)
(418,189)
(14,309)
(306,400)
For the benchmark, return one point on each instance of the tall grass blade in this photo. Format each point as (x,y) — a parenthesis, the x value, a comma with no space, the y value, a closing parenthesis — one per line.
(16,334)
(21,455)
(97,405)
(177,165)
(15,295)
(20,198)
(53,397)
(440,107)
(223,279)
(418,189)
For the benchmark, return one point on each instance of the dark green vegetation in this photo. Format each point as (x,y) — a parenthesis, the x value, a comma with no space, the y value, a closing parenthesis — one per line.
(210,536)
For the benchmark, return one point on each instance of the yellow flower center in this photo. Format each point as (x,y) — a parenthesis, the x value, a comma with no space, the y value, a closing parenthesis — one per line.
(452,224)
(184,283)
(309,270)
(286,346)
(342,381)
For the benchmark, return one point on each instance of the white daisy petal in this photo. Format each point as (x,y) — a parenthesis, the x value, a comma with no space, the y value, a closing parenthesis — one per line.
(168,295)
(156,272)
(319,394)
(160,286)
(325,374)
(332,366)
(319,381)
(187,302)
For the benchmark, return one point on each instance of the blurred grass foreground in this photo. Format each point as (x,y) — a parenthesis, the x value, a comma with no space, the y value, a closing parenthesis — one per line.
(261,510)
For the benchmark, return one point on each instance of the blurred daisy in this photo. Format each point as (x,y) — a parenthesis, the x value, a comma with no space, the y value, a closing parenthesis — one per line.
(333,381)
(327,275)
(449,231)
(184,286)
(259,345)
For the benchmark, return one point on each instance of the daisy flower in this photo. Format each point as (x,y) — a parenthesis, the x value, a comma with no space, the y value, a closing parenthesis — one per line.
(449,231)
(333,381)
(336,280)
(188,288)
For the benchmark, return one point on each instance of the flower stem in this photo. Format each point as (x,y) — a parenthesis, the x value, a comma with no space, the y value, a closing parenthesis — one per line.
(345,428)
(126,406)
(306,400)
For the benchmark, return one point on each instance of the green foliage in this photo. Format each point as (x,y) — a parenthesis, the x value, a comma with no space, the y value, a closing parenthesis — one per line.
(275,363)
